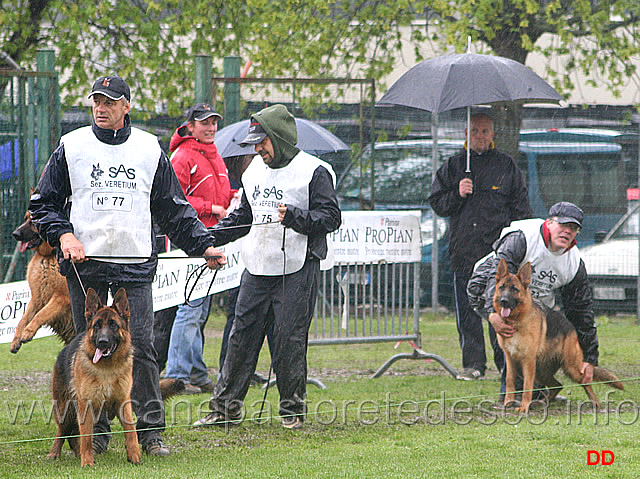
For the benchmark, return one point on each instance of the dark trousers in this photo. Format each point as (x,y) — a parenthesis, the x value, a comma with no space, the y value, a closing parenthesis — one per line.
(162,324)
(292,304)
(231,314)
(470,330)
(145,394)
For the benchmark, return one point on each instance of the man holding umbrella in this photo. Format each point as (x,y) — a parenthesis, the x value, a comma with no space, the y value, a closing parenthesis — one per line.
(479,204)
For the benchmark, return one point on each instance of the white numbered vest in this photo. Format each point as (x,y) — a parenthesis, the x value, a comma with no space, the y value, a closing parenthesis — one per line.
(550,270)
(111,185)
(266,188)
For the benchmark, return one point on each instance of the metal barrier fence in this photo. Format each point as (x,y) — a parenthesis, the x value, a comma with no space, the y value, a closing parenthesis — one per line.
(370,303)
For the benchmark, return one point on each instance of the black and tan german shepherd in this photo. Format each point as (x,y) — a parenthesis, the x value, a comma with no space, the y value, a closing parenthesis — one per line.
(49,304)
(93,373)
(542,343)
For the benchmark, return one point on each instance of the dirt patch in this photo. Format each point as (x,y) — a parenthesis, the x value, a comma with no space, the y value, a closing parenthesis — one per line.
(32,380)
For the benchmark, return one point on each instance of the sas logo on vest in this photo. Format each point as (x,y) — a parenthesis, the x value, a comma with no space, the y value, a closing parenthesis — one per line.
(267,193)
(114,172)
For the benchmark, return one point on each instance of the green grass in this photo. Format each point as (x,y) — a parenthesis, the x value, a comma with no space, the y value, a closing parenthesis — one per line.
(414,421)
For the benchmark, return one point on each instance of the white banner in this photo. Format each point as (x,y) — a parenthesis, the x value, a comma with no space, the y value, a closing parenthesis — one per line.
(364,236)
(372,236)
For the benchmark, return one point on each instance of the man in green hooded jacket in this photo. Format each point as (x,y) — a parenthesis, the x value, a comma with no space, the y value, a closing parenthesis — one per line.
(289,205)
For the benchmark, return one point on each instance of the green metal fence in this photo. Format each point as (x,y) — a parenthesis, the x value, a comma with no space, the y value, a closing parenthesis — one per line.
(29,132)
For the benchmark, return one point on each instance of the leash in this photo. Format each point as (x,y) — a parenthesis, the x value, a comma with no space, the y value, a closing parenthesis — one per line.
(268,326)
(200,271)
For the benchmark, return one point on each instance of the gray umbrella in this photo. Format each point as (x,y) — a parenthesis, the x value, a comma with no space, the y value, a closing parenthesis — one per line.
(312,138)
(456,81)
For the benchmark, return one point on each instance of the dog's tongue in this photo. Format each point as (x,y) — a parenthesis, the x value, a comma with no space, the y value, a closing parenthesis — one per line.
(22,246)
(505,312)
(97,355)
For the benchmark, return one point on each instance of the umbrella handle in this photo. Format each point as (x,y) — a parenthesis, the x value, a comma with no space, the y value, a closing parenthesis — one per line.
(468,170)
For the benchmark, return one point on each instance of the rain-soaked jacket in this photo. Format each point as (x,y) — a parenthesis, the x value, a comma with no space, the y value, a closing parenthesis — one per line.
(575,295)
(322,215)
(499,197)
(202,174)
(51,204)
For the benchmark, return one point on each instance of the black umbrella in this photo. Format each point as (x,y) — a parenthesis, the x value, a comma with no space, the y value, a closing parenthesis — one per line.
(456,81)
(312,138)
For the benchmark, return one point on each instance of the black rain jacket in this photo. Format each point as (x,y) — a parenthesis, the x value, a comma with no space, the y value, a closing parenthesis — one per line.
(475,222)
(323,215)
(50,208)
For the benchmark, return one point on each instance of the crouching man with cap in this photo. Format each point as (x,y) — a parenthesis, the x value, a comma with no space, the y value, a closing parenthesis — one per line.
(550,246)
(289,205)
(96,200)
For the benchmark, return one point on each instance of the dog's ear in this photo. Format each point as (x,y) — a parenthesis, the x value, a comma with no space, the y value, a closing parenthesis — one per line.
(121,304)
(502,270)
(525,274)
(92,303)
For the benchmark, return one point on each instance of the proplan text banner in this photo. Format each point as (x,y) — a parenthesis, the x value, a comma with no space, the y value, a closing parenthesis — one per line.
(373,236)
(364,236)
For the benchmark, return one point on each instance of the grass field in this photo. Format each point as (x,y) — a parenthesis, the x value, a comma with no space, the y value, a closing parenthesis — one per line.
(415,421)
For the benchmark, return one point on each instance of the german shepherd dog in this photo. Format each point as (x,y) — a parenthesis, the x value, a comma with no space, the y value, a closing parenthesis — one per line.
(543,341)
(49,304)
(92,373)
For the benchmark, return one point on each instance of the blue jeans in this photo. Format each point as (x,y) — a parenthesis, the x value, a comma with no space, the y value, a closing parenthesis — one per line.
(184,359)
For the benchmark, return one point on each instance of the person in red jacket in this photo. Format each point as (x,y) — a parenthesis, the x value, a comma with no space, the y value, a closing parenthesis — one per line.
(203,176)
(198,165)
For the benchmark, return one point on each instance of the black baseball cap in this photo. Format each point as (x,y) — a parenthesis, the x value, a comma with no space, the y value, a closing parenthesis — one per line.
(201,111)
(565,212)
(255,136)
(112,87)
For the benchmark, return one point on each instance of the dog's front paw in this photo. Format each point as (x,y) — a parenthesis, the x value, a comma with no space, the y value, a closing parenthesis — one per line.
(15,345)
(135,457)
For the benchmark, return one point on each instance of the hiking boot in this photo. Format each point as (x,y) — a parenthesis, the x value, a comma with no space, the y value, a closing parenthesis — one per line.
(155,447)
(215,419)
(292,422)
(469,374)
(191,389)
(208,387)
(257,380)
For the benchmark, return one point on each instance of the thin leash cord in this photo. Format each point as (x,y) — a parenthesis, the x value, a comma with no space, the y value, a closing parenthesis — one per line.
(187,295)
(268,326)
(199,271)
(79,280)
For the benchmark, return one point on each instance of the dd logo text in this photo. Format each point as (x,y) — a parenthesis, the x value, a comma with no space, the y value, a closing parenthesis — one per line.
(603,457)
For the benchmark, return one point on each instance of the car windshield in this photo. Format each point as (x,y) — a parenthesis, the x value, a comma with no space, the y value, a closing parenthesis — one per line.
(403,174)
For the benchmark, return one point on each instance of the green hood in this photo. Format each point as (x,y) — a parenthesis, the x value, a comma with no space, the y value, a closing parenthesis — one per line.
(280,126)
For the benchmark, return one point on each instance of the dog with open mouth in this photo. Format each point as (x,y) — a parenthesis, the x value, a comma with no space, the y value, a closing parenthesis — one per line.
(543,342)
(94,373)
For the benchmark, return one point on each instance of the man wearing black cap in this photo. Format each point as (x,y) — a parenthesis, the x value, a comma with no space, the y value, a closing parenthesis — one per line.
(289,205)
(96,200)
(550,246)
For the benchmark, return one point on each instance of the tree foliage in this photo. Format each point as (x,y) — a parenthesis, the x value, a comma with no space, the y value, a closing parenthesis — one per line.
(152,43)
